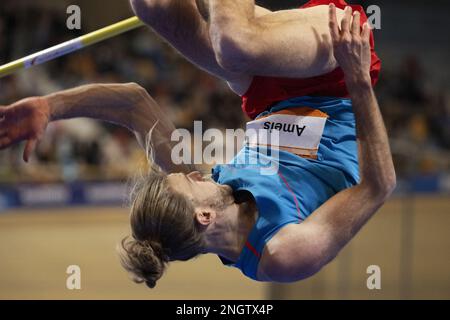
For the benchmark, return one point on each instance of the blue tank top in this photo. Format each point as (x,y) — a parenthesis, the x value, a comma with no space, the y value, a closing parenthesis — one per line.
(300,185)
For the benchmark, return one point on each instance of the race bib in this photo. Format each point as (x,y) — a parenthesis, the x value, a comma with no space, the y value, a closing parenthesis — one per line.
(297,130)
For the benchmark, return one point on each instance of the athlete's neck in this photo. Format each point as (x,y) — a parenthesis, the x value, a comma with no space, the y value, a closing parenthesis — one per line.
(229,232)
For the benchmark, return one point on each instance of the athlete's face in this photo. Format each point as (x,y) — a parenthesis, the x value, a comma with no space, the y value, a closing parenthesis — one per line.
(201,191)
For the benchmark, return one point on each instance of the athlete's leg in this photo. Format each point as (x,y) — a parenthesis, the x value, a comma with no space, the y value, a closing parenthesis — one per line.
(180,23)
(203,8)
(290,43)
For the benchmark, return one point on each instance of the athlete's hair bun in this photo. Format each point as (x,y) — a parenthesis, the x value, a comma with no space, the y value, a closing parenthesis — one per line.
(145,260)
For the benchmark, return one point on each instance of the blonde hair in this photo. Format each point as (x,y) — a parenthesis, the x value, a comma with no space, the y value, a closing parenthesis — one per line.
(163,227)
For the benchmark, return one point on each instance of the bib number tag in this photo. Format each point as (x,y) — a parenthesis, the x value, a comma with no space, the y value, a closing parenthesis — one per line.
(297,130)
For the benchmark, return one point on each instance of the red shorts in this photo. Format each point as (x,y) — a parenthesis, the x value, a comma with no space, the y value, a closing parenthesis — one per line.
(265,91)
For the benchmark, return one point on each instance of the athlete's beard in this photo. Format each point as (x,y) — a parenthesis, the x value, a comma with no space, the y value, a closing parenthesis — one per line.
(223,198)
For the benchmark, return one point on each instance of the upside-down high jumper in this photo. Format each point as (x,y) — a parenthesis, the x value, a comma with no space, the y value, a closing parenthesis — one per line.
(282,227)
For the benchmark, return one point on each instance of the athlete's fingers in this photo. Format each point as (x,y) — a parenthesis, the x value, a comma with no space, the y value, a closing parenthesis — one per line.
(29,147)
(345,26)
(356,24)
(334,25)
(365,35)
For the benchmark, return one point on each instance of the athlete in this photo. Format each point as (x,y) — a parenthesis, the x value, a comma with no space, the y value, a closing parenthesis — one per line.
(282,227)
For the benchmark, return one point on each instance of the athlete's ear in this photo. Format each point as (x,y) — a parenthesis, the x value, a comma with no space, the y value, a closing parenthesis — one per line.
(204,216)
(196,176)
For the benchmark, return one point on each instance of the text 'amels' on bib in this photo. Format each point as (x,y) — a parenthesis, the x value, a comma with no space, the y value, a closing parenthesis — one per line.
(296,130)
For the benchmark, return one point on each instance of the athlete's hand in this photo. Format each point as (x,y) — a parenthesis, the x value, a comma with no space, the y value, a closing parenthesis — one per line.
(351,45)
(25,120)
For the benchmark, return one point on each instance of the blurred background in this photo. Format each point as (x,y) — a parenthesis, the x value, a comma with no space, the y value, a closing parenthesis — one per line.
(68,207)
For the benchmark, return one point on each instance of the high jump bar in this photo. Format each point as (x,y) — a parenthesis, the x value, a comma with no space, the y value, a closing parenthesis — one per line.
(70,46)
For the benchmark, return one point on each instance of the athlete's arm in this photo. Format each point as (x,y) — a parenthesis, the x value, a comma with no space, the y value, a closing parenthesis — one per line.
(290,43)
(306,248)
(127,105)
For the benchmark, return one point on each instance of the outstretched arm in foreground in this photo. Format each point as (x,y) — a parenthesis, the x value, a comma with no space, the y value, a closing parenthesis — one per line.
(307,247)
(127,105)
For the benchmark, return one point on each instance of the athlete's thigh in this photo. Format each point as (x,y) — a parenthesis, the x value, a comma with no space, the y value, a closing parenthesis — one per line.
(295,43)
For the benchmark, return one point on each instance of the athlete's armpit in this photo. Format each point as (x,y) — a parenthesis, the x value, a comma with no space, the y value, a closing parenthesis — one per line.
(297,252)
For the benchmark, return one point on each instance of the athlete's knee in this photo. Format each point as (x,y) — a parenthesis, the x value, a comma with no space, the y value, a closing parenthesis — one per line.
(236,48)
(147,10)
